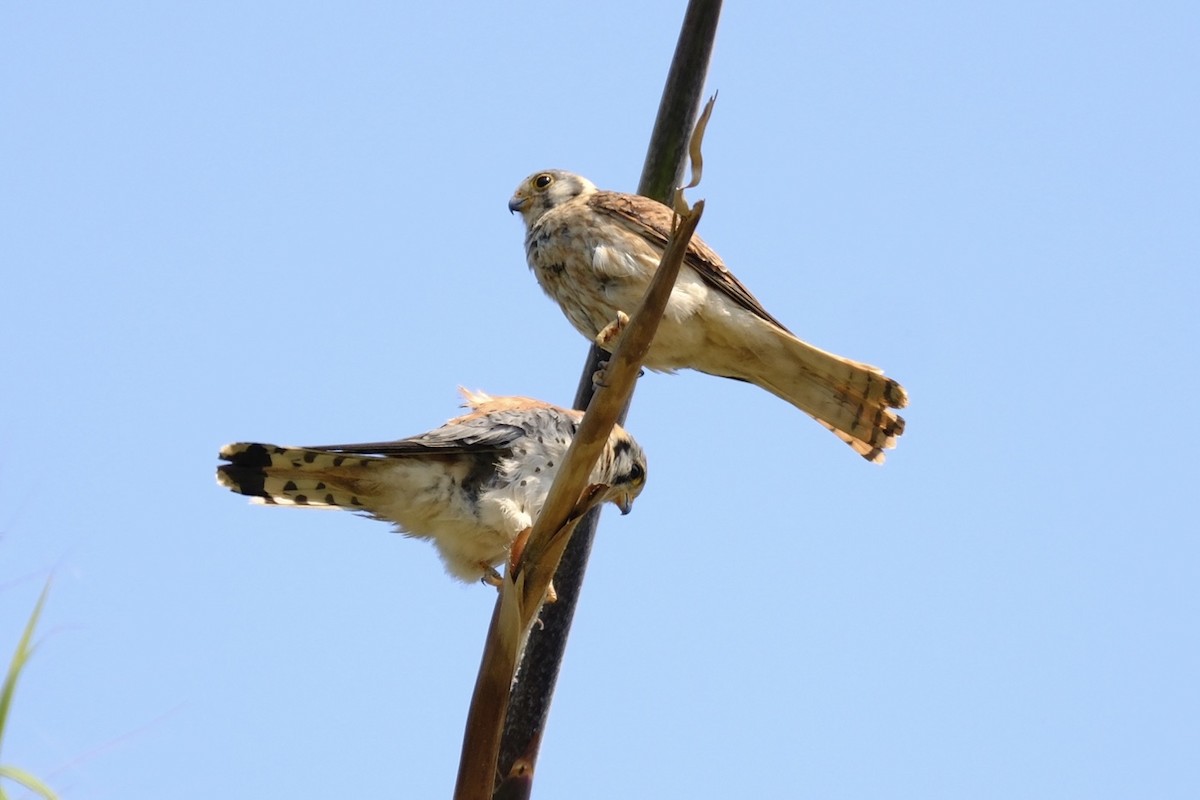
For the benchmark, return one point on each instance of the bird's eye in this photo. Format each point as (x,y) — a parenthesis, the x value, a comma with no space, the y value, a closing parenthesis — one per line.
(637,473)
(543,180)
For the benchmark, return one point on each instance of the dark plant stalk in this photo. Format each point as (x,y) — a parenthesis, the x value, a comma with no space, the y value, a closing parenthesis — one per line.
(529,703)
(525,583)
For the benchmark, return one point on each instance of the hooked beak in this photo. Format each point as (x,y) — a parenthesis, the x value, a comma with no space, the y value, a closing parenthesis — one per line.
(625,503)
(517,203)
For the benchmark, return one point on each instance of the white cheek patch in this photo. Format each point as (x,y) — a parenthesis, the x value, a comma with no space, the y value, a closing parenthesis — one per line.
(612,262)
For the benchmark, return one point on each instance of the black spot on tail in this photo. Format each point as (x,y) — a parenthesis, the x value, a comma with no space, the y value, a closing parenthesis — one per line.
(894,395)
(254,455)
(244,480)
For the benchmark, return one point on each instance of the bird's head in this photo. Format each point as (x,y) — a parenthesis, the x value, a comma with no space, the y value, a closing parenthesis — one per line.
(545,190)
(623,469)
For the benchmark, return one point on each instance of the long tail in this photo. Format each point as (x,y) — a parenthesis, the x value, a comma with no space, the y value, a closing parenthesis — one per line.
(852,399)
(294,476)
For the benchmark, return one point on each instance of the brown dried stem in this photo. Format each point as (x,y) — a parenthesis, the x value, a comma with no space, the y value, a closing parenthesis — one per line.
(533,690)
(509,635)
(524,586)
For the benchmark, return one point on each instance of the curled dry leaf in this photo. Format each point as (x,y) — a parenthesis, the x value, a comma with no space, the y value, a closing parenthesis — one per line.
(695,156)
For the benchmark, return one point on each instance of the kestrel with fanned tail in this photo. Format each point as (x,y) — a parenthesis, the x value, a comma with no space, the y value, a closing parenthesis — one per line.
(594,252)
(471,486)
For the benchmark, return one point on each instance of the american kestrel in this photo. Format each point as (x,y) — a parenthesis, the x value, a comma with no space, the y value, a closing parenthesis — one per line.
(471,486)
(594,252)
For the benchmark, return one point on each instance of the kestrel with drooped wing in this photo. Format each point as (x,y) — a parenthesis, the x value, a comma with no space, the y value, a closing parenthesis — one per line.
(471,486)
(594,252)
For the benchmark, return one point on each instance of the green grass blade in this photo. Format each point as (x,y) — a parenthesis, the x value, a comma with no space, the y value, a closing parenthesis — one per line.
(24,651)
(31,783)
(19,659)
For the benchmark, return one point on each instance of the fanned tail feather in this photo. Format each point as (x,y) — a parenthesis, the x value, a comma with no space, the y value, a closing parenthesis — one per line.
(851,399)
(295,476)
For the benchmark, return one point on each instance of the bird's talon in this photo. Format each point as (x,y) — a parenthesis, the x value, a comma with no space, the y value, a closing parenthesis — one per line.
(607,338)
(490,576)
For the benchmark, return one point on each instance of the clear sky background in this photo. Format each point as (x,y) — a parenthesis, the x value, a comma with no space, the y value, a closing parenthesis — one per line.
(264,221)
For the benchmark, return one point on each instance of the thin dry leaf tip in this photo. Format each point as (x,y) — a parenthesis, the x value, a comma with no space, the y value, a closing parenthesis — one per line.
(695,156)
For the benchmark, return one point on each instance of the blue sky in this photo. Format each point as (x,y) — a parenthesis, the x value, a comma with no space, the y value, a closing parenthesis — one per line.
(274,222)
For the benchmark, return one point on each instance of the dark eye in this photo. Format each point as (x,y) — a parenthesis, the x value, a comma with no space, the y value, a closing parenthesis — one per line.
(636,473)
(543,180)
